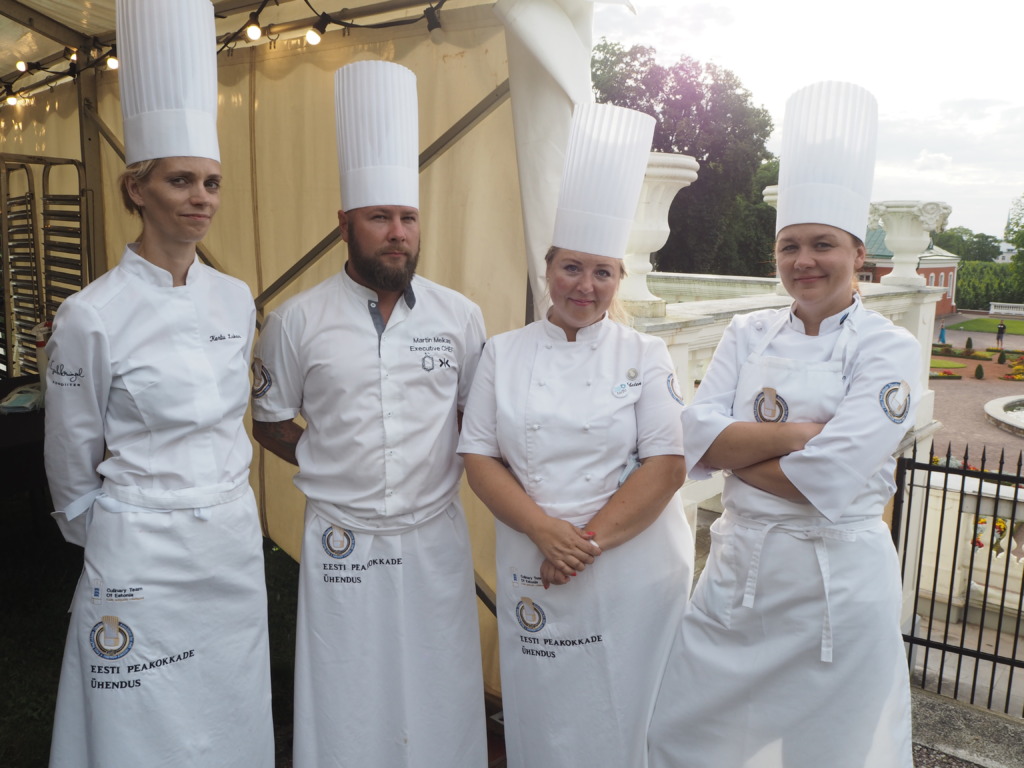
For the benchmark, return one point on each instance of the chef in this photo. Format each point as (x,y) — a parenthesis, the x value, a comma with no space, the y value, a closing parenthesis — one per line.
(791,654)
(378,362)
(166,661)
(572,438)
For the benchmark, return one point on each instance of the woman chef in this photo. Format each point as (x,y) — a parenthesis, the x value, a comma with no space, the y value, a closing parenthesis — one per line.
(560,415)
(791,653)
(166,661)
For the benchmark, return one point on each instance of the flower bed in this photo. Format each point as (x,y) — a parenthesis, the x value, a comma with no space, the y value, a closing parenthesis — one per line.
(943,375)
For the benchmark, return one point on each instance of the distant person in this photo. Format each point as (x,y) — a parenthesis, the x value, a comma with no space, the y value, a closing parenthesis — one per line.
(1000,333)
(942,333)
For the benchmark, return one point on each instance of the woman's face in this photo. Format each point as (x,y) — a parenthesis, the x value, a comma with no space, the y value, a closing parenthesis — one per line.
(178,198)
(582,287)
(816,264)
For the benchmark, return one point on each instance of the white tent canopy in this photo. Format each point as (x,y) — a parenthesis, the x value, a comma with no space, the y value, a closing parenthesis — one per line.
(495,99)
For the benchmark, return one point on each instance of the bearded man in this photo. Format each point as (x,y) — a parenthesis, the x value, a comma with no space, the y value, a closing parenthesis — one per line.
(379,362)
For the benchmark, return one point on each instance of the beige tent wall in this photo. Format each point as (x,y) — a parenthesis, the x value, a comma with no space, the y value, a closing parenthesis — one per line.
(281,191)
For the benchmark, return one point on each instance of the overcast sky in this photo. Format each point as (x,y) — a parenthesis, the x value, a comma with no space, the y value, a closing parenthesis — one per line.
(947,76)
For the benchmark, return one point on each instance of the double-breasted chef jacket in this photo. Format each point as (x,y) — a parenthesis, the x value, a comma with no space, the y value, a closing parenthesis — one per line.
(166,661)
(387,647)
(790,654)
(580,662)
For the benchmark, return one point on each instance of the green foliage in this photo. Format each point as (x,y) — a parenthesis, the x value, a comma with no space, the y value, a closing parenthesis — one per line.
(988,325)
(719,224)
(979,372)
(968,245)
(1002,358)
(969,344)
(979,283)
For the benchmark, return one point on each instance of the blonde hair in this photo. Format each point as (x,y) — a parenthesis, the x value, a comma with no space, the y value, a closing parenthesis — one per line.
(616,310)
(137,172)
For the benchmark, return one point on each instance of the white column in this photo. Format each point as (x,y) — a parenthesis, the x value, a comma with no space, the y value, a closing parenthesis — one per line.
(666,175)
(907,225)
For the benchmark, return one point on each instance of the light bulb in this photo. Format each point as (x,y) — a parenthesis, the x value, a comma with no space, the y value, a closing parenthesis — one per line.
(112,62)
(252,29)
(22,66)
(12,100)
(312,36)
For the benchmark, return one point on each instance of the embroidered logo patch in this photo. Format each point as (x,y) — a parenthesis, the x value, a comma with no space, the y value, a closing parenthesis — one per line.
(770,406)
(895,401)
(530,615)
(673,388)
(261,379)
(338,542)
(427,363)
(111,639)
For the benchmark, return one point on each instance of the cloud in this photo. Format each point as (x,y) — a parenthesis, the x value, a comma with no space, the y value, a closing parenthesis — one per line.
(932,161)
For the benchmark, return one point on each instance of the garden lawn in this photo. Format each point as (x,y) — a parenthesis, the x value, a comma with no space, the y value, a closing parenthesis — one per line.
(943,363)
(988,325)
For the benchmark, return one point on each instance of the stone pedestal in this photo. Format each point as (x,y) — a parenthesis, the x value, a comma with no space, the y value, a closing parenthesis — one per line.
(666,175)
(907,224)
(771,196)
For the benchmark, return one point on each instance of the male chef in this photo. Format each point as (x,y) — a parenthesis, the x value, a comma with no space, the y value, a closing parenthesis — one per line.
(378,361)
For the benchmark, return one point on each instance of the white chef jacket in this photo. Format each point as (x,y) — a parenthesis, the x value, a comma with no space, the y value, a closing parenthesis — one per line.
(158,375)
(130,359)
(380,403)
(569,419)
(850,463)
(794,624)
(569,453)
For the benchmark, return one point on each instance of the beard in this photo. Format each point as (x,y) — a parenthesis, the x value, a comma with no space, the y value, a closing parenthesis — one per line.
(379,275)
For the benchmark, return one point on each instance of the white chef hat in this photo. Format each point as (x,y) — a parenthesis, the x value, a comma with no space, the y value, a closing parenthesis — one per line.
(168,78)
(605,161)
(828,157)
(378,134)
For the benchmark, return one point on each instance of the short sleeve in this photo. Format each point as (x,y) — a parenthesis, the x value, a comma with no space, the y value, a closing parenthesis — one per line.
(77,388)
(658,426)
(480,419)
(473,346)
(277,373)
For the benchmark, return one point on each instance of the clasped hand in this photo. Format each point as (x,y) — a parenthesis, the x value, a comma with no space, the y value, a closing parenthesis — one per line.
(566,549)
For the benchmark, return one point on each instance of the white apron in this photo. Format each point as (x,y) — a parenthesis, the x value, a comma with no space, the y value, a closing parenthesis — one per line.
(791,655)
(166,662)
(597,644)
(387,653)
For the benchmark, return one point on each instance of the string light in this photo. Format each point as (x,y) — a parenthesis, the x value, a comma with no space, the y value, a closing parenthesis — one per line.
(434,29)
(21,66)
(319,28)
(112,62)
(253,30)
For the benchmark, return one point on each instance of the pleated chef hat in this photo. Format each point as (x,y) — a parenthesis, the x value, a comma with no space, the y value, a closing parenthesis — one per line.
(605,161)
(828,157)
(168,78)
(378,134)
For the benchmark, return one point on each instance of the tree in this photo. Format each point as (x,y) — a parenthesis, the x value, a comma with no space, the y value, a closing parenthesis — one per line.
(968,245)
(978,284)
(719,224)
(1014,235)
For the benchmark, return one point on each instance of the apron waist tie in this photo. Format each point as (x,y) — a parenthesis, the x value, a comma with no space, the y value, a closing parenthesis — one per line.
(817,534)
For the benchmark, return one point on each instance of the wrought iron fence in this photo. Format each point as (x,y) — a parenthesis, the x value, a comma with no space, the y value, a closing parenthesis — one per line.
(958,524)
